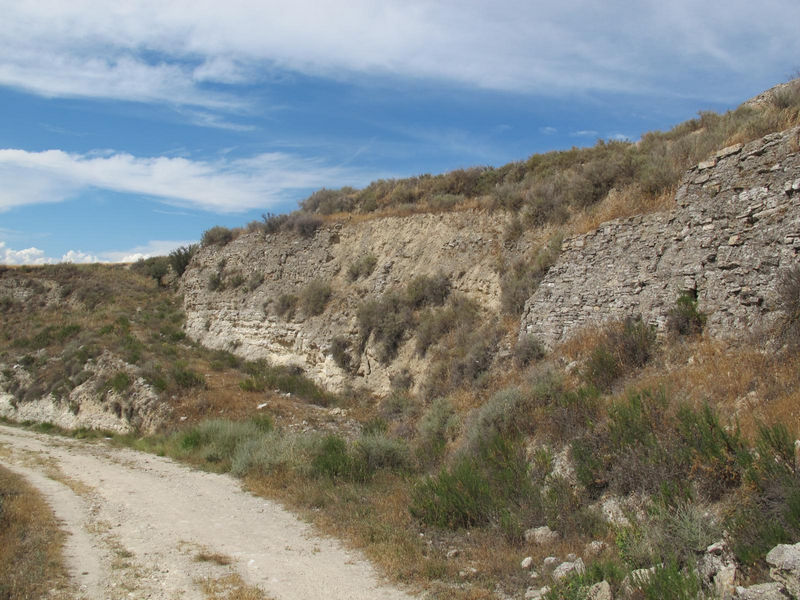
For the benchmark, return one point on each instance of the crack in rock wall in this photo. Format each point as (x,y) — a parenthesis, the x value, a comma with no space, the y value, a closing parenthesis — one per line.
(735,229)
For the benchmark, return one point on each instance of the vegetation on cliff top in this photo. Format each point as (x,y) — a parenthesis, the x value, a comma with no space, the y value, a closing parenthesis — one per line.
(549,188)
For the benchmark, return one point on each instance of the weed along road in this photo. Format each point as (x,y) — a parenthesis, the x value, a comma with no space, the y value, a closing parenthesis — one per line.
(142,526)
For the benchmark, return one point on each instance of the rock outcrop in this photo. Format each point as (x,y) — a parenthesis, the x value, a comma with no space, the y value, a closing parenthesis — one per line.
(243,318)
(735,229)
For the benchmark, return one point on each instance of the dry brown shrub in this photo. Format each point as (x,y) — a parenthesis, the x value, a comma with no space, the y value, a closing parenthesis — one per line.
(627,202)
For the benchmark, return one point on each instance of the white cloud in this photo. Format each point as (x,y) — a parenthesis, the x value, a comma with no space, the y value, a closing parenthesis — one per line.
(584,133)
(152,50)
(225,185)
(152,248)
(37,256)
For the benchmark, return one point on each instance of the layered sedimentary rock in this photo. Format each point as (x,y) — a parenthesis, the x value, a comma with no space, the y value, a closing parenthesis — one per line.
(734,232)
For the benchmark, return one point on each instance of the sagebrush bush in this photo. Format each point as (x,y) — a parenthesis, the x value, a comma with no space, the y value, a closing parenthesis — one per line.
(304,224)
(362,267)
(387,320)
(314,297)
(528,348)
(379,451)
(435,428)
(273,223)
(433,324)
(519,281)
(427,290)
(217,235)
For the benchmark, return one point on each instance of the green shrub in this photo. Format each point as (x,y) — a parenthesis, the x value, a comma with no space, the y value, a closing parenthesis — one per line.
(362,267)
(217,440)
(456,497)
(670,581)
(120,382)
(187,378)
(333,460)
(215,283)
(287,379)
(378,451)
(217,235)
(314,297)
(155,267)
(275,451)
(492,486)
(180,258)
(434,429)
(770,513)
(684,318)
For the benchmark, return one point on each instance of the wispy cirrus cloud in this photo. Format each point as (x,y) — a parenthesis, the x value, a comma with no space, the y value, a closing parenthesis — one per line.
(225,185)
(189,52)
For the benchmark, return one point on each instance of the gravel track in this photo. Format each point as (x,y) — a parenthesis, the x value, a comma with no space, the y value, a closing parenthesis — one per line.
(137,524)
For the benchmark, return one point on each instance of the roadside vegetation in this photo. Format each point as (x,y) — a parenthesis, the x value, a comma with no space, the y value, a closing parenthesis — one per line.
(31,564)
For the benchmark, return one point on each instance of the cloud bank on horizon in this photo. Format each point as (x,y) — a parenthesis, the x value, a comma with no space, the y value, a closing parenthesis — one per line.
(260,102)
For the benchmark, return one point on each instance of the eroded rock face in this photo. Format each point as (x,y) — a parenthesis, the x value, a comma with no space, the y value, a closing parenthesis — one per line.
(139,409)
(465,246)
(784,567)
(736,227)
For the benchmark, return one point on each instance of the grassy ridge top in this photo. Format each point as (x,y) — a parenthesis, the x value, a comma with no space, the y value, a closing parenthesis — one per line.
(554,187)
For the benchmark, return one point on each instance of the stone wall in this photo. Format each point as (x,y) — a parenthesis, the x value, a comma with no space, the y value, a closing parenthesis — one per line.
(735,228)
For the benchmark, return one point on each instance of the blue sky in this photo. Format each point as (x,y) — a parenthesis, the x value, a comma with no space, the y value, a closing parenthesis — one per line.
(129,128)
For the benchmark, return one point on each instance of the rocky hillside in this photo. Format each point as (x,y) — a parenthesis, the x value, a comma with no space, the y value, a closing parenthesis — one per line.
(735,229)
(292,298)
(306,300)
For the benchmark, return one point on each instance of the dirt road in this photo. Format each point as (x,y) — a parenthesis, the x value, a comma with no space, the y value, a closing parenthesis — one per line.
(142,526)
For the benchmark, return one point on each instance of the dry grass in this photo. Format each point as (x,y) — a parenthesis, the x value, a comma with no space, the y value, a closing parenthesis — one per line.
(231,587)
(214,557)
(619,204)
(31,543)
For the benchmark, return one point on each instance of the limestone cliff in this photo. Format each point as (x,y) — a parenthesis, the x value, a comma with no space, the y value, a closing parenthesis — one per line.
(252,273)
(735,229)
